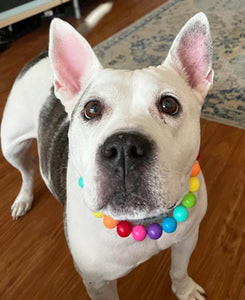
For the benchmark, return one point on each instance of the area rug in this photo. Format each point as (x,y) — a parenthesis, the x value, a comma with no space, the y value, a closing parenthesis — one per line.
(147,42)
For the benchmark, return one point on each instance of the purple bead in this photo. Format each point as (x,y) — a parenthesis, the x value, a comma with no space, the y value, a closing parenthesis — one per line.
(154,231)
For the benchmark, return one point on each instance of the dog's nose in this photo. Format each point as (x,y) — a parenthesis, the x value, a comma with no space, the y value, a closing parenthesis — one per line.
(123,152)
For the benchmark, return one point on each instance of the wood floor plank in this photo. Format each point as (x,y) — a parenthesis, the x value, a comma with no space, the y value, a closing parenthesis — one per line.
(35,263)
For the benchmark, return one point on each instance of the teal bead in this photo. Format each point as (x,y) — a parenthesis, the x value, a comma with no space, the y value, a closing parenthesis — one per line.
(180,213)
(189,200)
(169,224)
(81,182)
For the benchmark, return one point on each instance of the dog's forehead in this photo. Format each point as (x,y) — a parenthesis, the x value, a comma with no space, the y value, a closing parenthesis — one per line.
(131,84)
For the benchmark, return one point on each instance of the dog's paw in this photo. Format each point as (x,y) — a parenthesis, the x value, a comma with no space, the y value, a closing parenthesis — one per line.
(192,291)
(20,207)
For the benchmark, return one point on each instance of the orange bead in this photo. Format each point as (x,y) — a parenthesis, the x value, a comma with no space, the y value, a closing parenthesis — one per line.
(195,169)
(109,222)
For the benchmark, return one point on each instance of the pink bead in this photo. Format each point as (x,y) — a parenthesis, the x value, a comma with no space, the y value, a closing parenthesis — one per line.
(139,233)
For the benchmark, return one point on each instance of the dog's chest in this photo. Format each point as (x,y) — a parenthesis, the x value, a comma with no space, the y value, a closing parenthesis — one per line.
(53,146)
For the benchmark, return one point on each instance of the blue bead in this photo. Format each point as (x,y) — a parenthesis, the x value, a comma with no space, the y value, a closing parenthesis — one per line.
(169,224)
(180,213)
(81,182)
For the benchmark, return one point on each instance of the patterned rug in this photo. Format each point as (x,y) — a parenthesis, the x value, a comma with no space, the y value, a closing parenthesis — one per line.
(147,42)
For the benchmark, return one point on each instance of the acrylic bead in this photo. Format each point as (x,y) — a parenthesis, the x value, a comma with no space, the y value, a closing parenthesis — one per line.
(198,156)
(195,169)
(139,233)
(189,200)
(81,182)
(180,213)
(154,231)
(124,228)
(169,224)
(109,222)
(194,184)
(98,214)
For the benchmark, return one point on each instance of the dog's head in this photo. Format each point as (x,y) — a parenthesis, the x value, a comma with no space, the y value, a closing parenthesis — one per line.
(134,135)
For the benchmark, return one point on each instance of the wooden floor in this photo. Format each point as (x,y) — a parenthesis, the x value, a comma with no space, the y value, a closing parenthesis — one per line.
(35,263)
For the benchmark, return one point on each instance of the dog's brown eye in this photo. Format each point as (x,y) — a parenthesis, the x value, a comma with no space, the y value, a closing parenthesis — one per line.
(92,109)
(169,105)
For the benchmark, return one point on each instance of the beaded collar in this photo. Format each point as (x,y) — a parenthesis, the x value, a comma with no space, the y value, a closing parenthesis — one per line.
(169,223)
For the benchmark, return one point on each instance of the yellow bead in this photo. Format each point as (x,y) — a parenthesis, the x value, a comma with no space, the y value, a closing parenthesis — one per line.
(98,214)
(194,184)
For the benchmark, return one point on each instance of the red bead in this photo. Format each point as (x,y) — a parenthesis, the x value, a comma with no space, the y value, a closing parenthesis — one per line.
(198,156)
(124,228)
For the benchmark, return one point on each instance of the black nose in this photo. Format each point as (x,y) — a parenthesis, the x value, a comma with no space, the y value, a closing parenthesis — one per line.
(124,152)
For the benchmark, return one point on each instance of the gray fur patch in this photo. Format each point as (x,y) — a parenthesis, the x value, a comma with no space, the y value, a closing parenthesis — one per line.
(53,145)
(34,61)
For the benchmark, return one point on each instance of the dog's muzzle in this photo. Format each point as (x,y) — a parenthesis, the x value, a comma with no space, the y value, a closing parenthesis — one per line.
(126,161)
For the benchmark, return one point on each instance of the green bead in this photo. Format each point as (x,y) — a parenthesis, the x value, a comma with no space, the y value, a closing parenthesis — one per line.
(189,200)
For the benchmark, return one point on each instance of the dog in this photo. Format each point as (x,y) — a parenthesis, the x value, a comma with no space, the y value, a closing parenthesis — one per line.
(118,144)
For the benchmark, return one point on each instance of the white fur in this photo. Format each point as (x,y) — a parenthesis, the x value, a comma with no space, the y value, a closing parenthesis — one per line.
(19,127)
(130,99)
(100,256)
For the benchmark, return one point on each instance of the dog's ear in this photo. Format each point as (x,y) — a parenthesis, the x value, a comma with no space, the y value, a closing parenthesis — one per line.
(73,62)
(191,54)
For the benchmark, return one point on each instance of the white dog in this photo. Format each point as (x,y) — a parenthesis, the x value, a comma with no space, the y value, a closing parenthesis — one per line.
(120,144)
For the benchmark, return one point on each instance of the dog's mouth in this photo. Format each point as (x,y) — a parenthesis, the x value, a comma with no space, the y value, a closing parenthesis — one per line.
(155,217)
(122,204)
(136,209)
(149,220)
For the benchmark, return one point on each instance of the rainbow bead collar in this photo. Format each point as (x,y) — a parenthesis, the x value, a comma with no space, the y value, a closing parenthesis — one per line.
(155,230)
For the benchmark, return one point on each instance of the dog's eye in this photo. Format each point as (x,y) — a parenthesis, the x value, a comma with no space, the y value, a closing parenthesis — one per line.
(92,109)
(169,105)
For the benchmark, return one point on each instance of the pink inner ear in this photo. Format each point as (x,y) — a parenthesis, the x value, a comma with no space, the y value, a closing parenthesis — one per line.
(209,77)
(194,56)
(70,59)
(57,84)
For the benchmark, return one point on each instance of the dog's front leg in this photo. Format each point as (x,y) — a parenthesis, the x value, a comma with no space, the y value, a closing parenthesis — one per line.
(101,290)
(182,285)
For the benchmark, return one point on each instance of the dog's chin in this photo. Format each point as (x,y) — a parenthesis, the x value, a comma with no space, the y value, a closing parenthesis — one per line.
(136,206)
(138,216)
